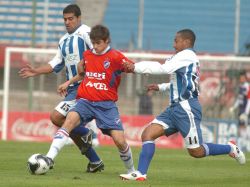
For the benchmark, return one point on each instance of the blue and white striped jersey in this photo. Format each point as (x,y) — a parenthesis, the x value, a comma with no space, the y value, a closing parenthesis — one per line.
(70,51)
(183,68)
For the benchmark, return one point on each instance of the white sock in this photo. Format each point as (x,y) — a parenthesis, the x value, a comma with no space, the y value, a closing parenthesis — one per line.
(127,159)
(69,142)
(60,139)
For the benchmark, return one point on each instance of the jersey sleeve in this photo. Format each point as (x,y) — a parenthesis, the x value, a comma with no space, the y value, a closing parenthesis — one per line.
(87,40)
(181,59)
(85,30)
(57,63)
(164,87)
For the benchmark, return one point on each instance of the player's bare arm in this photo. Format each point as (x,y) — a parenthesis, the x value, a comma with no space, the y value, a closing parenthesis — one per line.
(128,66)
(29,71)
(81,68)
(62,89)
(153,87)
(158,87)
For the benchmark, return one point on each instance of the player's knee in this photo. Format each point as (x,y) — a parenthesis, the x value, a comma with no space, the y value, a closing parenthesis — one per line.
(119,139)
(149,135)
(53,119)
(57,120)
(120,143)
(152,132)
(197,152)
(145,136)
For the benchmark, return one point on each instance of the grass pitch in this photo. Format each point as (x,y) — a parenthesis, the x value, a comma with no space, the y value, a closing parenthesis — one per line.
(168,168)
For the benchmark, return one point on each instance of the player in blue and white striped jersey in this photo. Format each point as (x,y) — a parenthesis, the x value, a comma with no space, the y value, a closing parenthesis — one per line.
(70,50)
(184,113)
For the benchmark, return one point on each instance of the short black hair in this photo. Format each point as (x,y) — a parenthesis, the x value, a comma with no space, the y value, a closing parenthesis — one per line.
(72,8)
(99,32)
(188,34)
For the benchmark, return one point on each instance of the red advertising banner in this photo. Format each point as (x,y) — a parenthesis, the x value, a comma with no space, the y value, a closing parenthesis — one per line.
(36,126)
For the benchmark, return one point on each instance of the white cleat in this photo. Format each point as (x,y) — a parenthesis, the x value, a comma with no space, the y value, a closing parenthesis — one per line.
(236,153)
(134,176)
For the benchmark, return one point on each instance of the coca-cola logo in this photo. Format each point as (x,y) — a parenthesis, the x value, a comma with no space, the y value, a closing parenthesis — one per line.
(133,134)
(39,130)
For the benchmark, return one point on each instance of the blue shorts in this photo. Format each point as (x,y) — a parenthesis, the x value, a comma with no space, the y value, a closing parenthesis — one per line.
(104,112)
(184,117)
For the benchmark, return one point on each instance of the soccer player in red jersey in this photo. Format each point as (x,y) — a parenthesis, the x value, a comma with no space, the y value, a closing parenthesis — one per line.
(70,50)
(97,94)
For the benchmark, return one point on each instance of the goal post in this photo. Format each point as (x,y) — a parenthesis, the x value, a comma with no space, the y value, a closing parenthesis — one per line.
(214,67)
(7,64)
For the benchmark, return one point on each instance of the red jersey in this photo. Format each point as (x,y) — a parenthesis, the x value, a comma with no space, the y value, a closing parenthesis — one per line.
(102,76)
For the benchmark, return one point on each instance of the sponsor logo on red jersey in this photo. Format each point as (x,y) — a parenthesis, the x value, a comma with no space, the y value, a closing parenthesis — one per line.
(96,75)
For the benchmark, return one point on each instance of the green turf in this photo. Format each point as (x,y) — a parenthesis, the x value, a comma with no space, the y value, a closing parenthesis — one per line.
(168,168)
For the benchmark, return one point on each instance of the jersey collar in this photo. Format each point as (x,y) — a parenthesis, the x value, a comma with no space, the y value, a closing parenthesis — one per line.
(104,51)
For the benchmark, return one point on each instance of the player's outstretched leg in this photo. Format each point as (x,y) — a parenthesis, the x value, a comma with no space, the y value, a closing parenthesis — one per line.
(220,149)
(82,137)
(146,155)
(49,161)
(85,145)
(127,158)
(57,144)
(236,153)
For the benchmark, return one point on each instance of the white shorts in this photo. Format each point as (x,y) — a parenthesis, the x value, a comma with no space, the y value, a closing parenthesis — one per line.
(64,106)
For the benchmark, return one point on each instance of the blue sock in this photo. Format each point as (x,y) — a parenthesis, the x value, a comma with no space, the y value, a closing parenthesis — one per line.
(92,155)
(216,149)
(146,155)
(80,130)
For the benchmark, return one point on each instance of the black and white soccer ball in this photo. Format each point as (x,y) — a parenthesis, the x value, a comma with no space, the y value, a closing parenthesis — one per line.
(37,164)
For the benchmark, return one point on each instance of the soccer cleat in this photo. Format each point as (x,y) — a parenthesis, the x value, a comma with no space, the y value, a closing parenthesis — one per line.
(93,167)
(87,141)
(236,153)
(134,176)
(49,161)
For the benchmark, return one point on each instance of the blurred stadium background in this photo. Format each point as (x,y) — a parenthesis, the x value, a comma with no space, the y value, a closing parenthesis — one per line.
(137,26)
